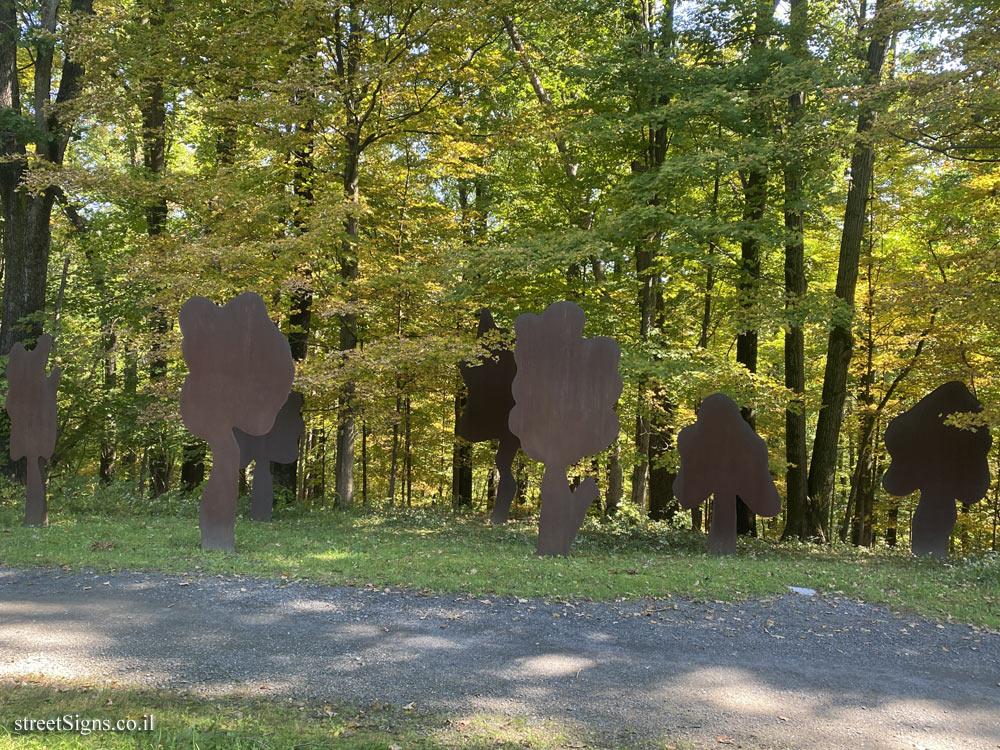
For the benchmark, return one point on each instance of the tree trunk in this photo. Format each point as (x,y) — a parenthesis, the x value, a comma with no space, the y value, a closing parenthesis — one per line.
(26,226)
(662,505)
(109,452)
(408,452)
(130,385)
(644,256)
(615,480)
(193,465)
(796,452)
(862,491)
(153,109)
(344,467)
(706,317)
(394,463)
(364,462)
(285,476)
(864,503)
(892,523)
(754,205)
(822,470)
(461,459)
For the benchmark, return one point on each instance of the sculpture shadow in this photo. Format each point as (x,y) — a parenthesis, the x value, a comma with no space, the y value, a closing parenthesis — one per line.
(664,663)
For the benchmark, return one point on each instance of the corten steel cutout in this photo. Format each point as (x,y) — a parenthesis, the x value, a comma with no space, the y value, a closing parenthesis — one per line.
(565,392)
(31,406)
(945,463)
(487,409)
(721,455)
(280,444)
(240,373)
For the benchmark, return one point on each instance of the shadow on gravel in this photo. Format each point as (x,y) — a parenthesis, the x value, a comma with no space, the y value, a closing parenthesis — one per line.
(787,672)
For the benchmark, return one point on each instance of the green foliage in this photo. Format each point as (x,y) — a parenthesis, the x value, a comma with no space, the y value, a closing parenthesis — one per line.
(481,183)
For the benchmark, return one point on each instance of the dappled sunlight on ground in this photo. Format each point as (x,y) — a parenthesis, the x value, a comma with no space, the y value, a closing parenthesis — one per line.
(547,665)
(797,672)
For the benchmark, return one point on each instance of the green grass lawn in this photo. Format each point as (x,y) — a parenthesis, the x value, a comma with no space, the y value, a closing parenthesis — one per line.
(184,722)
(442,552)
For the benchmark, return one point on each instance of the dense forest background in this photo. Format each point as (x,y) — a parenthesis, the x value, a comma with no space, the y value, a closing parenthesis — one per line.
(792,202)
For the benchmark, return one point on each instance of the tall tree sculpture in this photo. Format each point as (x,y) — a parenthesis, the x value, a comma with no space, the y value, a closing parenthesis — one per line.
(280,444)
(487,410)
(240,373)
(31,406)
(721,455)
(945,463)
(565,393)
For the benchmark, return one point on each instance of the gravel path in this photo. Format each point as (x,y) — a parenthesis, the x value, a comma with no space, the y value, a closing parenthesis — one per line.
(791,672)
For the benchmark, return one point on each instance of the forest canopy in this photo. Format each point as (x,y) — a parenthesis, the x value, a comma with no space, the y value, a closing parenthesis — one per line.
(793,203)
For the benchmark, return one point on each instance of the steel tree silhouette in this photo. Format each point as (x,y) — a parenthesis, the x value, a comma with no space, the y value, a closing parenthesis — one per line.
(280,444)
(31,406)
(240,371)
(565,392)
(945,463)
(487,411)
(722,456)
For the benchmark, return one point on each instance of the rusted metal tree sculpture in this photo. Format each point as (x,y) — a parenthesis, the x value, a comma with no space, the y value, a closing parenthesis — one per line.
(31,406)
(945,463)
(240,371)
(487,410)
(565,392)
(722,456)
(280,444)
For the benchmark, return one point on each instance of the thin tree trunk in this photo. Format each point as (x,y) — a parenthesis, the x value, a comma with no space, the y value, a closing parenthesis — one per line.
(892,523)
(754,205)
(461,458)
(408,452)
(394,463)
(344,467)
(615,480)
(492,480)
(996,506)
(461,454)
(647,309)
(153,108)
(109,452)
(822,470)
(796,451)
(130,385)
(193,465)
(861,500)
(706,318)
(364,462)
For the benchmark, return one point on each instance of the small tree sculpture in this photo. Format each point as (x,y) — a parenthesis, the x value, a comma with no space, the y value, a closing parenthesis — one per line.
(565,392)
(280,444)
(487,410)
(945,463)
(240,373)
(31,406)
(722,456)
